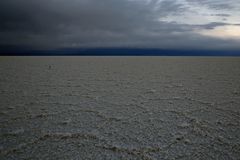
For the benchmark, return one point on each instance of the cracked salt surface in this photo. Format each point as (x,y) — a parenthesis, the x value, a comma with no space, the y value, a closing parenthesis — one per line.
(119,108)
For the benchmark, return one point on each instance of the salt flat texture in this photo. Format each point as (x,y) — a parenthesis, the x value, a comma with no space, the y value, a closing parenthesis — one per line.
(120,108)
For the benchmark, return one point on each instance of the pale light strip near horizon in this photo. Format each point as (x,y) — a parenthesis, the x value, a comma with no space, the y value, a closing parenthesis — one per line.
(164,24)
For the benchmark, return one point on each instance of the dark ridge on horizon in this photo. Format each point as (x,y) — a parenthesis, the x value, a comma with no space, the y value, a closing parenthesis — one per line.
(116,52)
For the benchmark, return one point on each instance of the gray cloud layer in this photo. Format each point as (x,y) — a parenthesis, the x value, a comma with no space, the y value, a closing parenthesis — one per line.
(114,23)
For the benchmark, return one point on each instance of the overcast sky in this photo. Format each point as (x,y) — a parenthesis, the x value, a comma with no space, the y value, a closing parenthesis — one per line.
(165,24)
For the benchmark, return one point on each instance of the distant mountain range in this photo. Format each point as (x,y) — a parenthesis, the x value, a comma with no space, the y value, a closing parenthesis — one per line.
(8,51)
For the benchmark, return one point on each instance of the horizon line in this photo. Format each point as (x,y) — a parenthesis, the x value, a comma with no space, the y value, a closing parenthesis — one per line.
(116,51)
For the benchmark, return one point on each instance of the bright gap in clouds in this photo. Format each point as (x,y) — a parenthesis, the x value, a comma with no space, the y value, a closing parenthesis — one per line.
(224,32)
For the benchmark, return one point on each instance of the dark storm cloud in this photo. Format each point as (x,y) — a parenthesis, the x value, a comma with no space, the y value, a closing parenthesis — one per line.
(221,15)
(106,23)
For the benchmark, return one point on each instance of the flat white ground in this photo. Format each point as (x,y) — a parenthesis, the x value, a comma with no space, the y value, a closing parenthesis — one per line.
(119,108)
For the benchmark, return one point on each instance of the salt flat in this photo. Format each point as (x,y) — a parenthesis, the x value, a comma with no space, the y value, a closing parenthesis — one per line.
(120,108)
